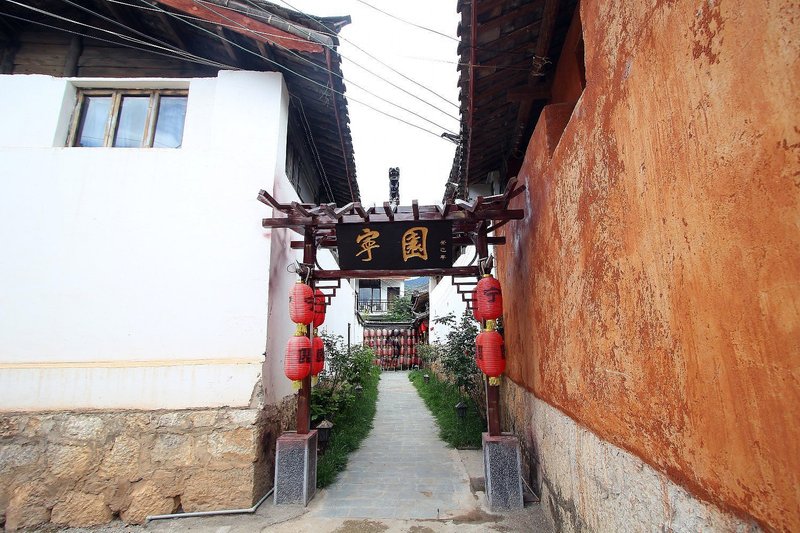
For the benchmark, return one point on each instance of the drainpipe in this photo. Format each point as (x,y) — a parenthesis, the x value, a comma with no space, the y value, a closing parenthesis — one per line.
(249,510)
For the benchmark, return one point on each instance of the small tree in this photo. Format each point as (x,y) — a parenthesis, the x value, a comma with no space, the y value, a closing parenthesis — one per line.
(400,309)
(457,357)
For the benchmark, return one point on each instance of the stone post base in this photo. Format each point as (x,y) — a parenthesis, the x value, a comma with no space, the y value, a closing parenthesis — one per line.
(295,468)
(502,469)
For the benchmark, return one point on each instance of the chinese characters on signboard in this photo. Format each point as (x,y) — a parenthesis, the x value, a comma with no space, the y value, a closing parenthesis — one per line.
(395,245)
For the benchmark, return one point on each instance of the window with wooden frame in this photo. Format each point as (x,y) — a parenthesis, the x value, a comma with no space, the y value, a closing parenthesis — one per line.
(129,118)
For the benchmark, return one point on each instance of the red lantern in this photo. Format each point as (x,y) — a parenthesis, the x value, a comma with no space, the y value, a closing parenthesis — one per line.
(297,363)
(490,350)
(475,314)
(301,303)
(490,298)
(319,308)
(317,355)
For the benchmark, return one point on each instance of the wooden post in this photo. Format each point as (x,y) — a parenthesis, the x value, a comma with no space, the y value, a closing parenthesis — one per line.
(304,394)
(492,391)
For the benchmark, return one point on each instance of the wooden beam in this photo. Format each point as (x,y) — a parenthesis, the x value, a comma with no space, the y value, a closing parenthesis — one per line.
(267,55)
(9,53)
(73,55)
(360,210)
(232,55)
(249,27)
(301,209)
(387,207)
(331,242)
(171,31)
(415,209)
(376,274)
(538,91)
(546,28)
(266,198)
(514,14)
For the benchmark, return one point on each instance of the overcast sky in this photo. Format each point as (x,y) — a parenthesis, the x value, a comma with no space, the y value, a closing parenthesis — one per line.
(429,59)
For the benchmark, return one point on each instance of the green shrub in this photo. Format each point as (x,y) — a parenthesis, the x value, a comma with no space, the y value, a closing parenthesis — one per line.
(336,389)
(400,310)
(353,424)
(441,398)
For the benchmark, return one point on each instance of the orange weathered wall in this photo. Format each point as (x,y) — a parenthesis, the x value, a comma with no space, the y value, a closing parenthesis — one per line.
(653,291)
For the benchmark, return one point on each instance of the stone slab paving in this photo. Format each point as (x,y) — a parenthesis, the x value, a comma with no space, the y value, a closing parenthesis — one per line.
(402,470)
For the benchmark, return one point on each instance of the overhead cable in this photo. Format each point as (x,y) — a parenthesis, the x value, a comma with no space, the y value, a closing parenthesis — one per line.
(117,34)
(318,21)
(286,69)
(408,21)
(338,75)
(119,43)
(359,65)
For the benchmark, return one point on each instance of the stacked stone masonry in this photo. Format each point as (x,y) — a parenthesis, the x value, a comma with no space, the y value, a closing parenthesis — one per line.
(588,484)
(87,468)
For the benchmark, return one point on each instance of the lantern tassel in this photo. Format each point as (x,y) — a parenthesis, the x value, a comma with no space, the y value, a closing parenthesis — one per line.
(491,325)
(495,381)
(314,381)
(300,330)
(296,385)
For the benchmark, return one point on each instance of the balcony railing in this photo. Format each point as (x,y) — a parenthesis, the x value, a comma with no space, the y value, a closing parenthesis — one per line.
(373,306)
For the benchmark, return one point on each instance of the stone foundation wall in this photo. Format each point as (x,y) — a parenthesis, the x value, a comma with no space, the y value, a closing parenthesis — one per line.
(587,484)
(87,468)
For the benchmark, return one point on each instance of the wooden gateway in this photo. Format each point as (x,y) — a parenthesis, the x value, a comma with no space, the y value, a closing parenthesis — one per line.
(390,241)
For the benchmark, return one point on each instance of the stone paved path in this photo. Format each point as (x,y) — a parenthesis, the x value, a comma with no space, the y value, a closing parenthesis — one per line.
(402,470)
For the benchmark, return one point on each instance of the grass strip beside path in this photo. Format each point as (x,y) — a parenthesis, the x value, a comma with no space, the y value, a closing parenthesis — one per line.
(352,426)
(441,398)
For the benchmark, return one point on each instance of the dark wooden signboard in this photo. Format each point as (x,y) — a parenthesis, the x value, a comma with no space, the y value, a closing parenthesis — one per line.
(395,245)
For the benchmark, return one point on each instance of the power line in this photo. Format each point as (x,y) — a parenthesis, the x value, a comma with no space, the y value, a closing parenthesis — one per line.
(362,67)
(437,32)
(318,21)
(315,150)
(125,26)
(125,45)
(338,75)
(314,81)
(315,65)
(408,21)
(286,69)
(175,52)
(498,67)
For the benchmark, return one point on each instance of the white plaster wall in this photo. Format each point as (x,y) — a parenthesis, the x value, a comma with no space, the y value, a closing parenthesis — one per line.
(136,278)
(386,283)
(445,299)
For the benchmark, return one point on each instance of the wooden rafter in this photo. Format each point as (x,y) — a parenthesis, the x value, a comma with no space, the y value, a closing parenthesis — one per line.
(171,31)
(515,15)
(545,35)
(226,44)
